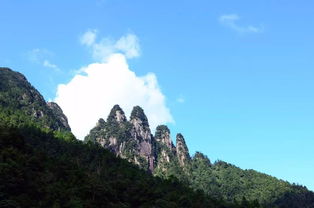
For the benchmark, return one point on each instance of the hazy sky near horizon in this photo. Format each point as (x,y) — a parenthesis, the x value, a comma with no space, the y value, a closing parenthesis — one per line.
(234,77)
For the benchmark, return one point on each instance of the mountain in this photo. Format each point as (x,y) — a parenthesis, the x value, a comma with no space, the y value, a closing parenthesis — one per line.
(127,139)
(18,97)
(43,165)
(157,154)
(120,164)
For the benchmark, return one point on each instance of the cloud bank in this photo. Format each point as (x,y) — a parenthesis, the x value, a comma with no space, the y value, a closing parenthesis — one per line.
(94,90)
(128,45)
(230,20)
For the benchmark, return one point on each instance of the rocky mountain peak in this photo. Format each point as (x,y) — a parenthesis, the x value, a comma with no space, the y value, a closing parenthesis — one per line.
(162,135)
(138,116)
(182,150)
(140,130)
(142,134)
(127,139)
(116,115)
(17,94)
(57,111)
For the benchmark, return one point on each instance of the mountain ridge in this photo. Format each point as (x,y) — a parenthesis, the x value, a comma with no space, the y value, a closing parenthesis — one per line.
(17,94)
(47,161)
(219,179)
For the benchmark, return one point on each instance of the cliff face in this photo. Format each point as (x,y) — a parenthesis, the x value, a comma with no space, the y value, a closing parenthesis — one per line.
(133,140)
(182,150)
(58,113)
(162,135)
(141,133)
(17,94)
(164,149)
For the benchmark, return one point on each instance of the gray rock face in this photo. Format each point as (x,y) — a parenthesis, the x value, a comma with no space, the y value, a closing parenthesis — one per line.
(182,150)
(57,111)
(165,150)
(127,139)
(116,115)
(133,140)
(162,135)
(141,133)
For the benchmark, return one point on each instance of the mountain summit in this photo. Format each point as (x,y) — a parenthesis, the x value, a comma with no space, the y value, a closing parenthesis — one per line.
(39,156)
(132,139)
(43,165)
(19,96)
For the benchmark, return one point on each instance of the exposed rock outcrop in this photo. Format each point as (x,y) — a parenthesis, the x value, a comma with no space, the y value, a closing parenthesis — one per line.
(182,150)
(165,150)
(133,140)
(142,135)
(116,115)
(127,139)
(57,111)
(162,135)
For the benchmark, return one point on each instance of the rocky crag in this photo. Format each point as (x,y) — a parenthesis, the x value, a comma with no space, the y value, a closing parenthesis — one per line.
(132,139)
(23,108)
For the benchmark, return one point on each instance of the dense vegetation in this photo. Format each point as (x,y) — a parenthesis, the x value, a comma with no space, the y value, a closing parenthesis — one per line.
(235,184)
(17,94)
(225,181)
(43,165)
(43,168)
(220,180)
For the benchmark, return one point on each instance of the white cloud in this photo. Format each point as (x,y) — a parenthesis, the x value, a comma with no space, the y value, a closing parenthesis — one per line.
(96,88)
(40,56)
(47,64)
(88,38)
(128,45)
(230,20)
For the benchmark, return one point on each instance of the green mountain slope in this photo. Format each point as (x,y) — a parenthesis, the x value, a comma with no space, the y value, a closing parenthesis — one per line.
(19,99)
(234,183)
(39,169)
(220,180)
(43,165)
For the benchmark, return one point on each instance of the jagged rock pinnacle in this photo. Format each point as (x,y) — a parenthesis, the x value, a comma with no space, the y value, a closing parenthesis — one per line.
(57,111)
(138,114)
(162,135)
(116,115)
(142,134)
(182,150)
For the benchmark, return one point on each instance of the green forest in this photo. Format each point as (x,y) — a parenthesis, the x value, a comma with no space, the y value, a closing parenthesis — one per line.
(42,164)
(45,168)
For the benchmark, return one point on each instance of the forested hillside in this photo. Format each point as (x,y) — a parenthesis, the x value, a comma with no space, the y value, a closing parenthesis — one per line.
(133,141)
(43,165)
(120,164)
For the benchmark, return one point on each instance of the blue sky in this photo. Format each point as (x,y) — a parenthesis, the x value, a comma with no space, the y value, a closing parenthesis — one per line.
(234,77)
